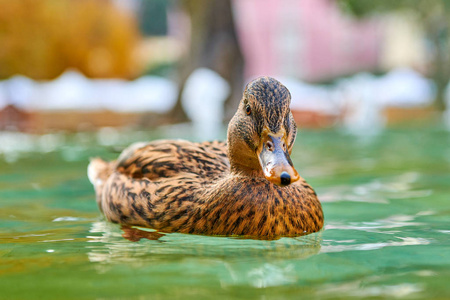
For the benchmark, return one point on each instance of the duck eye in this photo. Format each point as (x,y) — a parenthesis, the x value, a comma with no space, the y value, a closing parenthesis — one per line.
(248,110)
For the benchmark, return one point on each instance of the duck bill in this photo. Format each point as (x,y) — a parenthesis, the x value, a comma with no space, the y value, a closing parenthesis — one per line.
(276,162)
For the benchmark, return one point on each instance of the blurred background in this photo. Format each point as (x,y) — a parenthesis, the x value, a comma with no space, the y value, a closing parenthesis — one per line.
(82,65)
(370,92)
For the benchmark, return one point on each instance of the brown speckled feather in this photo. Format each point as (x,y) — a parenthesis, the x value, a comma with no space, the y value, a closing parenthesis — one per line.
(180,186)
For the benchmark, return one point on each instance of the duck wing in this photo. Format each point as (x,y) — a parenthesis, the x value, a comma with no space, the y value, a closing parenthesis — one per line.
(157,184)
(165,159)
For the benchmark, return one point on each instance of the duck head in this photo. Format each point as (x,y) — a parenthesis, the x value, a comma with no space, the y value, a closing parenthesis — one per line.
(262,133)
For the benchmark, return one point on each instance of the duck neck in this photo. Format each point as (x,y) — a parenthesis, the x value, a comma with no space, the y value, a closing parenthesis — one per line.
(245,170)
(243,159)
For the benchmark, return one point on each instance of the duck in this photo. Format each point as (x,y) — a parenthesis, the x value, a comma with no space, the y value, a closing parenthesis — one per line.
(246,186)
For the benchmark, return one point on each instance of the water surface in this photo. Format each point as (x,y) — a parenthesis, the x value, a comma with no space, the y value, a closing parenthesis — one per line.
(386,202)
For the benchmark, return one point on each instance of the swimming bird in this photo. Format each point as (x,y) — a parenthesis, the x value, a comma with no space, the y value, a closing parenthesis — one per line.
(246,186)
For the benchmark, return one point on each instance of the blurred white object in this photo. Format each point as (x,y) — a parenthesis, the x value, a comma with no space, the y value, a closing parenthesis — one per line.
(18,91)
(3,98)
(363,97)
(360,104)
(149,93)
(110,93)
(70,91)
(308,97)
(203,100)
(405,88)
(73,91)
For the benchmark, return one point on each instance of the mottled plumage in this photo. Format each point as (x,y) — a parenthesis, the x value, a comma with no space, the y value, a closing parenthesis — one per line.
(247,186)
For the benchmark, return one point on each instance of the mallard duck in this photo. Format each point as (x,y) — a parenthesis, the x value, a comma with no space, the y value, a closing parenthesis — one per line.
(246,186)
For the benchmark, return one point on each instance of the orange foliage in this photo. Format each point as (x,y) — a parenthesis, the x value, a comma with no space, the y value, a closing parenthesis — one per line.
(42,38)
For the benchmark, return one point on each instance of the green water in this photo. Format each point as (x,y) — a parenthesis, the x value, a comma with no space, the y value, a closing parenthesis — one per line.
(387,231)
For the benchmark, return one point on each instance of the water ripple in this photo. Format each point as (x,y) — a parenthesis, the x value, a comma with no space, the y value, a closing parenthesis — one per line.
(357,289)
(379,190)
(405,241)
(394,221)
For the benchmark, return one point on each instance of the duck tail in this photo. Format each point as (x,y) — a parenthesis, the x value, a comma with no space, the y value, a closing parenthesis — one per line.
(98,172)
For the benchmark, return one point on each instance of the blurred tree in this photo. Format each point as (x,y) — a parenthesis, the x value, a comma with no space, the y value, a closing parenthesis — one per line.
(435,18)
(41,39)
(213,45)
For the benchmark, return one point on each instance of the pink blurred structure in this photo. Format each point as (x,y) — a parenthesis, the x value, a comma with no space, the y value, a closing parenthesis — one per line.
(309,39)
